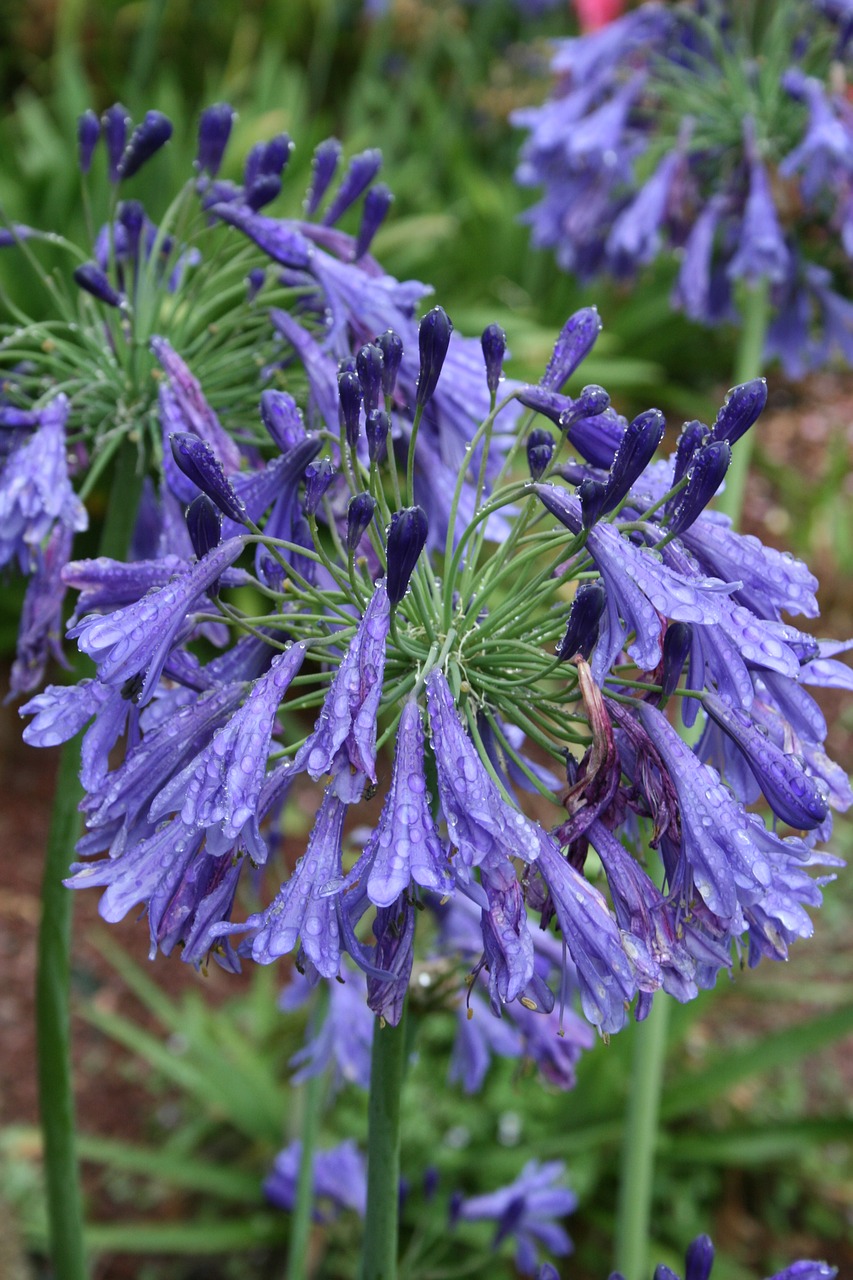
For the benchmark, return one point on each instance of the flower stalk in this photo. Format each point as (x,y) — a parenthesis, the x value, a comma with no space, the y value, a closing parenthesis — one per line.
(381,1227)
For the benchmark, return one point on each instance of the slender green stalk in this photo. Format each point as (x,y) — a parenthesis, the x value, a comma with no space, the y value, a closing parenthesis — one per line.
(64,1201)
(300,1221)
(381,1226)
(633,1213)
(53,973)
(748,365)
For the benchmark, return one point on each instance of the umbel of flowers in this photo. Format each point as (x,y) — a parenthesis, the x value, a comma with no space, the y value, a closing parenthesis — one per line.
(721,131)
(524,642)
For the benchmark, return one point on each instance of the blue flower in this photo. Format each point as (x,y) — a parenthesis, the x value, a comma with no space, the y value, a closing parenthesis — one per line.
(340,1180)
(525,1211)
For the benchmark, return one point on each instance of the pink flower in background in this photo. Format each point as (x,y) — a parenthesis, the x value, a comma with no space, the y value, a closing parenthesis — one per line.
(594,14)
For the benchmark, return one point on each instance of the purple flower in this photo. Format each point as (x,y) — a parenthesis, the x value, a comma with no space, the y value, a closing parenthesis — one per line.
(526,1211)
(344,737)
(88,132)
(762,253)
(404,845)
(146,139)
(341,1038)
(131,645)
(35,491)
(218,791)
(433,340)
(606,977)
(183,407)
(481,825)
(479,1035)
(340,1180)
(214,130)
(699,1263)
(406,539)
(300,910)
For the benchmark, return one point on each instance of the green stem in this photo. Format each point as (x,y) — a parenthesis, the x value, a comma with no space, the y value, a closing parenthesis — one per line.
(748,365)
(53,972)
(633,1214)
(300,1222)
(381,1226)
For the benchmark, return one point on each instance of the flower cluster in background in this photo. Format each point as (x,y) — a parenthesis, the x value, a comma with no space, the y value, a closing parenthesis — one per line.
(720,131)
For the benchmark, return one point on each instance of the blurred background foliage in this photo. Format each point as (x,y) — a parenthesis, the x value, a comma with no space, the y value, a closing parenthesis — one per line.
(755,1143)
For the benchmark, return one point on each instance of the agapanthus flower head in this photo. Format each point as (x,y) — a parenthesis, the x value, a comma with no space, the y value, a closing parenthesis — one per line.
(627,150)
(539,642)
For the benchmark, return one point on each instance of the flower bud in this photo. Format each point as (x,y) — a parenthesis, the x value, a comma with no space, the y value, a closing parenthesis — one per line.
(693,436)
(493,343)
(704,478)
(204,524)
(377,202)
(92,279)
(359,515)
(214,130)
(267,159)
(131,216)
(360,173)
(592,494)
(255,282)
(369,366)
(263,191)
(349,391)
(406,538)
(377,426)
(641,439)
(391,346)
(592,401)
(699,1259)
(318,476)
(88,132)
(200,464)
(743,405)
(282,419)
(584,618)
(433,340)
(146,139)
(575,342)
(676,651)
(540,450)
(114,122)
(323,166)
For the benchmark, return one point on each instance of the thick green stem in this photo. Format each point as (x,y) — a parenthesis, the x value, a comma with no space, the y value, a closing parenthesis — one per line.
(633,1214)
(53,974)
(381,1226)
(748,365)
(56,1097)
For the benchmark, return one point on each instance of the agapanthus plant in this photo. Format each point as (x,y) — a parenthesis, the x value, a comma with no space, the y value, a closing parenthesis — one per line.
(527,648)
(719,132)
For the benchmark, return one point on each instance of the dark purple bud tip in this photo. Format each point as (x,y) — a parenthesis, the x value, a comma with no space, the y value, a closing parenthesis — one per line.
(431,1181)
(131,216)
(592,494)
(377,426)
(263,191)
(282,419)
(359,515)
(743,406)
(146,139)
(540,450)
(493,343)
(592,401)
(407,535)
(584,617)
(255,282)
(433,340)
(676,650)
(318,476)
(663,1272)
(115,121)
(377,202)
(200,464)
(326,158)
(693,436)
(369,364)
(358,177)
(93,280)
(349,392)
(639,443)
(575,342)
(88,132)
(204,524)
(699,1259)
(704,478)
(391,346)
(214,130)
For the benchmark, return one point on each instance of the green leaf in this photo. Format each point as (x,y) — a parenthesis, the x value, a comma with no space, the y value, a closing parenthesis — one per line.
(205,1176)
